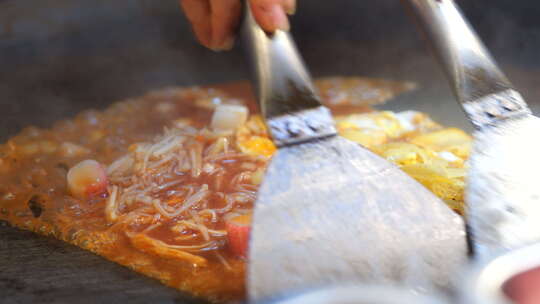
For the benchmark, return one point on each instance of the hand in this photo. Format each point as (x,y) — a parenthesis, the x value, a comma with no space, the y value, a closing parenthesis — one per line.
(523,288)
(215,21)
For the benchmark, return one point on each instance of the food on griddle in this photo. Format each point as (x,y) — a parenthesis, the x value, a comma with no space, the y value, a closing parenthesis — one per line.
(165,184)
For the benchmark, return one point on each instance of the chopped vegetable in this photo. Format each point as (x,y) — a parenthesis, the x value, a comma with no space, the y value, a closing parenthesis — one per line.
(252,138)
(404,153)
(43,146)
(229,117)
(87,179)
(257,176)
(386,122)
(68,149)
(112,205)
(367,138)
(436,179)
(159,248)
(238,229)
(257,145)
(449,139)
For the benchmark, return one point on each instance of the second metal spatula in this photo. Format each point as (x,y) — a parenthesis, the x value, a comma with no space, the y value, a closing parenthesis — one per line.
(503,190)
(328,210)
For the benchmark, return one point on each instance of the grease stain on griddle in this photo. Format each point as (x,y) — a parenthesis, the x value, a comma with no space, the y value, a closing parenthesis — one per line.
(63,166)
(35,206)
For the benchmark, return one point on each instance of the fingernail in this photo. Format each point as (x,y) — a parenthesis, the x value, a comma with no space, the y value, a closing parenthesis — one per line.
(279,18)
(226,45)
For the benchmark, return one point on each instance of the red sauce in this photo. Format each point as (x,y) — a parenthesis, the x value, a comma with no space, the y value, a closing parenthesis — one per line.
(34,194)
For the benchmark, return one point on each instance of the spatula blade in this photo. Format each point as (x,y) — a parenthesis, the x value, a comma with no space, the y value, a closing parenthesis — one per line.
(503,191)
(376,218)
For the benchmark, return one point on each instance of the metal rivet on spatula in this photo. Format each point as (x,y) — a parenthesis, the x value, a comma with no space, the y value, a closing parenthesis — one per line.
(492,111)
(278,133)
(294,129)
(508,105)
(313,125)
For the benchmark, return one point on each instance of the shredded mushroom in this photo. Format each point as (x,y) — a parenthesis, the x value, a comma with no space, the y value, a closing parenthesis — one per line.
(181,181)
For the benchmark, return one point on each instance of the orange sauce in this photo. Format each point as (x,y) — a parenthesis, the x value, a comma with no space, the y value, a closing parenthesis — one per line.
(34,194)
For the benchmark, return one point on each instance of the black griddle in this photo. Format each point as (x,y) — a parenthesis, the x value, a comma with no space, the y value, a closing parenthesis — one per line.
(59,57)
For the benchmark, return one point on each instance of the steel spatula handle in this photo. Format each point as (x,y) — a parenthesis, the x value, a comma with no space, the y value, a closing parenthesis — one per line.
(502,195)
(286,94)
(485,93)
(469,65)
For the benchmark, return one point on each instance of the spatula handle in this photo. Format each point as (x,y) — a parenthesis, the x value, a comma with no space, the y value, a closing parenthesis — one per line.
(482,88)
(467,62)
(286,94)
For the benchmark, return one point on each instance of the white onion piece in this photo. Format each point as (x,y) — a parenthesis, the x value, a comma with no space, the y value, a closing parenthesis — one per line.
(229,117)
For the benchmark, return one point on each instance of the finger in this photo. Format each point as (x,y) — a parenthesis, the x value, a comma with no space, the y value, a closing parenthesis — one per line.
(289,6)
(270,14)
(225,19)
(198,14)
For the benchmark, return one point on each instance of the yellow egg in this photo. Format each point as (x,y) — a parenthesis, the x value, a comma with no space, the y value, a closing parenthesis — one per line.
(367,138)
(403,153)
(449,139)
(433,156)
(252,138)
(257,145)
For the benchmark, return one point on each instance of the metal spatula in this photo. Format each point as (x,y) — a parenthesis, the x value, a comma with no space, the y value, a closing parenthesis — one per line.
(503,192)
(329,211)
